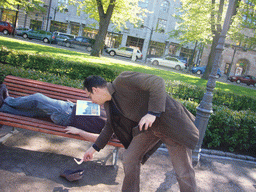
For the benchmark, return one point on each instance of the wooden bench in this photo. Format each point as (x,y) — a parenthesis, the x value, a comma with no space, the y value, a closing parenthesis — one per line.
(21,87)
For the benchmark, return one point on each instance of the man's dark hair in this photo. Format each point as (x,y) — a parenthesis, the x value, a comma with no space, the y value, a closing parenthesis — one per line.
(94,81)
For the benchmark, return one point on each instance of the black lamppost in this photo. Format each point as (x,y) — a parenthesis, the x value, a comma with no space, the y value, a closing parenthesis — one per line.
(151,33)
(204,110)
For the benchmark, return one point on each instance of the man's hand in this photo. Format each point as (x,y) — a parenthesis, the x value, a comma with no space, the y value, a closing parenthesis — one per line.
(88,156)
(147,120)
(69,101)
(72,130)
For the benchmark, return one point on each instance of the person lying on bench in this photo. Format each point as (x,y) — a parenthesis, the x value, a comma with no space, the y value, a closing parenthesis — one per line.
(60,112)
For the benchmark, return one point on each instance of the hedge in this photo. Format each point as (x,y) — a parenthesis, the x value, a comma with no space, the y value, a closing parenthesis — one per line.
(37,75)
(195,93)
(59,67)
(228,130)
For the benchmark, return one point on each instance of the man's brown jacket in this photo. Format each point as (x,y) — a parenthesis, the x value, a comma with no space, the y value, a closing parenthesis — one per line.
(135,94)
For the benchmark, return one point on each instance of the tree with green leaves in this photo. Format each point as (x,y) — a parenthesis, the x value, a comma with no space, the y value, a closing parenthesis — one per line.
(16,5)
(202,21)
(104,12)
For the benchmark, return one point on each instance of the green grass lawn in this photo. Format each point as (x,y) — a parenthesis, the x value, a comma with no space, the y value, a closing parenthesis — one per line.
(21,45)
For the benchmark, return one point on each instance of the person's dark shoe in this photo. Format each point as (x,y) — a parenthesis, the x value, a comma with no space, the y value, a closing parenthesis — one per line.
(72,175)
(5,91)
(2,90)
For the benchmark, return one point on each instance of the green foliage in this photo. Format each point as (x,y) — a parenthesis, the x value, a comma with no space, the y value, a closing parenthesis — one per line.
(59,67)
(3,54)
(124,10)
(232,126)
(195,93)
(230,130)
(29,6)
(38,75)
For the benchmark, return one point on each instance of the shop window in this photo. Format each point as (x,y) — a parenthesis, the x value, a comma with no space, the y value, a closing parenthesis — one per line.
(165,6)
(58,26)
(227,66)
(35,25)
(161,25)
(89,32)
(143,4)
(156,49)
(75,29)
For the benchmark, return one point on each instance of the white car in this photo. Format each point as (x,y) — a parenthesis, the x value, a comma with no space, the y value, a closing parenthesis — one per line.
(168,61)
(124,51)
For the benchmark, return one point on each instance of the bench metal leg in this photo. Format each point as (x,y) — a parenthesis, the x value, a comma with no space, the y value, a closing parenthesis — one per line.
(7,135)
(114,155)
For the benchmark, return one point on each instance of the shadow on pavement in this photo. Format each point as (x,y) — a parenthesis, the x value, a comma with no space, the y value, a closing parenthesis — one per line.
(50,166)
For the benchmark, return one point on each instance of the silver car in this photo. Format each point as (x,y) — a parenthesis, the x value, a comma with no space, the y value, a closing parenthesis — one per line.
(168,61)
(124,51)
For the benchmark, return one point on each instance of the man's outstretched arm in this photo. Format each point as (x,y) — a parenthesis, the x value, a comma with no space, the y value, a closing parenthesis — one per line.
(92,137)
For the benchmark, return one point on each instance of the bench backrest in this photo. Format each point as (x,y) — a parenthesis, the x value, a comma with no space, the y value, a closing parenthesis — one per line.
(18,86)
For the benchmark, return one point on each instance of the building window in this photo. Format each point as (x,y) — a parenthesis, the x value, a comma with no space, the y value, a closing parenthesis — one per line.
(165,6)
(35,25)
(63,4)
(161,25)
(143,4)
(58,26)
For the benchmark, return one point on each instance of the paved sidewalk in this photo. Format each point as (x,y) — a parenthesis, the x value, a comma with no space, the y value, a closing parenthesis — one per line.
(32,161)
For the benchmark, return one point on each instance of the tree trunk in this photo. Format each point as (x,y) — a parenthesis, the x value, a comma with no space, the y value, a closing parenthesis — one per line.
(15,22)
(211,57)
(216,30)
(191,58)
(100,38)
(103,26)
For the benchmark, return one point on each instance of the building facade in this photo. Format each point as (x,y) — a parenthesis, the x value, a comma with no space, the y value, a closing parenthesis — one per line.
(237,58)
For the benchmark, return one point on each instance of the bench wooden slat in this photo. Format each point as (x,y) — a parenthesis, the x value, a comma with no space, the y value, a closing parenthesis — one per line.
(35,124)
(54,129)
(42,85)
(31,90)
(15,93)
(28,88)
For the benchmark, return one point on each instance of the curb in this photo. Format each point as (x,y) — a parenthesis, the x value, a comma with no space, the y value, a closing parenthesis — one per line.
(227,154)
(221,155)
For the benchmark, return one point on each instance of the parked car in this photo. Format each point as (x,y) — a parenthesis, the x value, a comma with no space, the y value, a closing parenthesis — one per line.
(61,38)
(20,30)
(168,61)
(70,36)
(247,79)
(6,27)
(80,42)
(45,36)
(201,70)
(124,51)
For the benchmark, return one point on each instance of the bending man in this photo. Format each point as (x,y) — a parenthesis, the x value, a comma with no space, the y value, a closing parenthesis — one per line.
(140,99)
